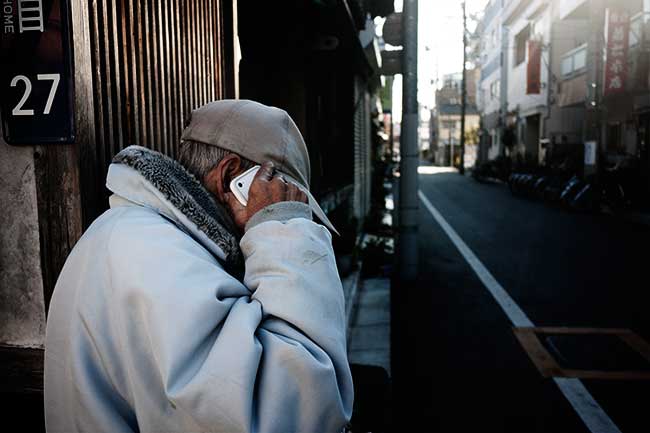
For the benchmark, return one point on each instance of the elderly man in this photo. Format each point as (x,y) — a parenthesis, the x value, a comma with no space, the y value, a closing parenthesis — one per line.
(181,310)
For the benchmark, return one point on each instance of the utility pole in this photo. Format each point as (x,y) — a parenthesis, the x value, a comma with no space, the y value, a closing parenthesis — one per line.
(409,155)
(463,96)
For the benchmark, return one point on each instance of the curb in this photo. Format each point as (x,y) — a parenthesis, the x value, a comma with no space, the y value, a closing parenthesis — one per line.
(351,306)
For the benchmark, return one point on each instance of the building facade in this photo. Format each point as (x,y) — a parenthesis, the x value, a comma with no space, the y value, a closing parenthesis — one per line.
(573,78)
(489,86)
(446,119)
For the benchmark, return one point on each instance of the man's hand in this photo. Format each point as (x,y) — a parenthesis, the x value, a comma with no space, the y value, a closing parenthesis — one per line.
(268,187)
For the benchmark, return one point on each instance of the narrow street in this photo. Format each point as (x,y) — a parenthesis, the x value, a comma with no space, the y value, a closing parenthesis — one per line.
(561,269)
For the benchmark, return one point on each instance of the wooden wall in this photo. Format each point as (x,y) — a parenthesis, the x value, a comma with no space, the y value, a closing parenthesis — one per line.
(139,68)
(151,63)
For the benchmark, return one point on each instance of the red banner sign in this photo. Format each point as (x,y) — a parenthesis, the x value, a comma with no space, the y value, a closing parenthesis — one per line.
(533,81)
(618,32)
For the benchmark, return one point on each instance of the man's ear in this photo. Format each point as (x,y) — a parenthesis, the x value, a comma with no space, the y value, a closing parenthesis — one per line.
(217,180)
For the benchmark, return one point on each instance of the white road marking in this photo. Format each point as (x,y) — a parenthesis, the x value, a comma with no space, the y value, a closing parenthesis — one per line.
(588,409)
(594,417)
(512,310)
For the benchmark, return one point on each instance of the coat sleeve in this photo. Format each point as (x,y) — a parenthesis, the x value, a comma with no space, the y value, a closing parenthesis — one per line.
(205,353)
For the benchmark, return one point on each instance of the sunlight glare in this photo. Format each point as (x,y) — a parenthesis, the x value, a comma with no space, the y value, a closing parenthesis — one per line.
(430,169)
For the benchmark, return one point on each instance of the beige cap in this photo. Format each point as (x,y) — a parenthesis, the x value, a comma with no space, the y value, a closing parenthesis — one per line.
(253,130)
(257,132)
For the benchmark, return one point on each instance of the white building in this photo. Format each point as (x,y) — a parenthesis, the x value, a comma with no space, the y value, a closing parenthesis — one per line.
(489,86)
(447,120)
(526,25)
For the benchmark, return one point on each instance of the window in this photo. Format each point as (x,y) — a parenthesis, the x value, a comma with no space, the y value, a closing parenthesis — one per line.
(575,61)
(521,41)
(567,65)
(494,89)
(580,59)
(636,28)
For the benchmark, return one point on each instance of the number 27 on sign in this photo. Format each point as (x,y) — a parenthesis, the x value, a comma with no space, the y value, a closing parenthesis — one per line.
(18,110)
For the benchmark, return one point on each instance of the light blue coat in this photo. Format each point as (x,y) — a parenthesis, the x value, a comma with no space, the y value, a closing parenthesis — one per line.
(147,331)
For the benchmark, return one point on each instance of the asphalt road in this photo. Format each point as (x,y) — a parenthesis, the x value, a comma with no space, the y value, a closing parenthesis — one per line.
(457,365)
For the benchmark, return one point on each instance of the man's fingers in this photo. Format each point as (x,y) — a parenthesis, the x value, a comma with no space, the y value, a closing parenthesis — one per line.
(291,193)
(265,172)
(295,194)
(280,181)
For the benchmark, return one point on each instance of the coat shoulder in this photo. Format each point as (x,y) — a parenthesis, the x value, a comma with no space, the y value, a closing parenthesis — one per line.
(141,233)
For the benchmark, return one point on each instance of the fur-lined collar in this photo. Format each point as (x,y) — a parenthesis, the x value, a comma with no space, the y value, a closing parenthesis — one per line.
(183,191)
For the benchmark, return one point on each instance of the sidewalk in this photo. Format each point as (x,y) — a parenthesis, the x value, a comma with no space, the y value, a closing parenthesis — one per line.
(368,335)
(369,324)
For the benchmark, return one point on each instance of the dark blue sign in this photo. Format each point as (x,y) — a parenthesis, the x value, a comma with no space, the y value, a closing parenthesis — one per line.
(36,84)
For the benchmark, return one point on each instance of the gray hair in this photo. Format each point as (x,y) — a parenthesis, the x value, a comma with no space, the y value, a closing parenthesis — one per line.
(199,158)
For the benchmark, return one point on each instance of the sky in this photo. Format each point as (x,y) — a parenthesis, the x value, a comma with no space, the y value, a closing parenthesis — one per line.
(440,46)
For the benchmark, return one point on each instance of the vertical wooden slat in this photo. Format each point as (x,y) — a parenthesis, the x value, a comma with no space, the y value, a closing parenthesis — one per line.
(187,90)
(133,77)
(202,45)
(99,93)
(107,80)
(176,108)
(141,75)
(187,51)
(162,80)
(216,34)
(148,68)
(187,65)
(210,36)
(180,66)
(199,54)
(155,67)
(219,54)
(195,61)
(127,69)
(168,79)
(208,51)
(118,137)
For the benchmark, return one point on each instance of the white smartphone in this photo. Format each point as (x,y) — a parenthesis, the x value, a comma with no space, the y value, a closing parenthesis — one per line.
(242,183)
